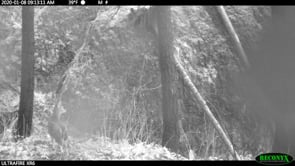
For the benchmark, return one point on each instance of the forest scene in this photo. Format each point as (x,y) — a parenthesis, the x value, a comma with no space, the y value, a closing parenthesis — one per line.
(146,82)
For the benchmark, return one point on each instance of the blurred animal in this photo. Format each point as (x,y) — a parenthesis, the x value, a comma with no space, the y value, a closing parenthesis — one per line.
(145,19)
(57,129)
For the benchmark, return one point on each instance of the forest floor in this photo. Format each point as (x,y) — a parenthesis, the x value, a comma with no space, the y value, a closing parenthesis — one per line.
(39,146)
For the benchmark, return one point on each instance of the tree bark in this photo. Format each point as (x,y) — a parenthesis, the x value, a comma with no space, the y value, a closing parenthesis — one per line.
(170,137)
(204,105)
(234,36)
(25,114)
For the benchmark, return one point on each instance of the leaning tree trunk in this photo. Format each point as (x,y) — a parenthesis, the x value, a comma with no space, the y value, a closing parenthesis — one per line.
(25,114)
(170,137)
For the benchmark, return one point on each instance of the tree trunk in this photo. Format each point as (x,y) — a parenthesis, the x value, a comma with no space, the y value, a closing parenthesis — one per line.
(170,137)
(25,114)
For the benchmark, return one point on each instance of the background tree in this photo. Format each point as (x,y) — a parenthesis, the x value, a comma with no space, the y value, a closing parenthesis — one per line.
(25,114)
(169,102)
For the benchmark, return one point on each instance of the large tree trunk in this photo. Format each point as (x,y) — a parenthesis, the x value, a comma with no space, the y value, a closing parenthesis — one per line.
(170,137)
(282,90)
(24,124)
(272,69)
